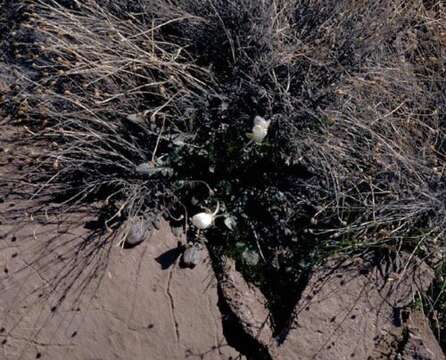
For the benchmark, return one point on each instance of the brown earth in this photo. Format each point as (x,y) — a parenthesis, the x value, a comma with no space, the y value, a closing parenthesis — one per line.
(143,307)
(351,309)
(357,309)
(147,307)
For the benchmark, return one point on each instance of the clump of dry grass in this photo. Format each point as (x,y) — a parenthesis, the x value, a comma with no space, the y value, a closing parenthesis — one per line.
(147,104)
(113,93)
(380,149)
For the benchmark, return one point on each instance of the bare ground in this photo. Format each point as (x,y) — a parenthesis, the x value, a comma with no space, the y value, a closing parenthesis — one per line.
(141,305)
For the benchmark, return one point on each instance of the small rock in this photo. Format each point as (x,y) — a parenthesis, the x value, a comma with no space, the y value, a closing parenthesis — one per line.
(177,231)
(250,257)
(137,233)
(144,169)
(193,255)
(136,118)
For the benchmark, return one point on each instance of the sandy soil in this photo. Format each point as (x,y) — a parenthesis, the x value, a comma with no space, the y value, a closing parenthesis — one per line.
(62,297)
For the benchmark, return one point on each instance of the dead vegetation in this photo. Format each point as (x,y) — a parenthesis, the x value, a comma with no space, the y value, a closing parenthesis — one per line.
(146,105)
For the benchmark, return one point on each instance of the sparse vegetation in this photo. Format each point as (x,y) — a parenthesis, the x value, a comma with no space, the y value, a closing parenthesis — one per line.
(146,105)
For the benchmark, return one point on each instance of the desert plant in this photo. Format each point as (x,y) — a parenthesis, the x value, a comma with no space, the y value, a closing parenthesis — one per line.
(148,104)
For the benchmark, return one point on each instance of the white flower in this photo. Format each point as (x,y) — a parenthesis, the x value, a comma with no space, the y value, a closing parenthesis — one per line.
(259,133)
(258,120)
(230,222)
(259,130)
(204,220)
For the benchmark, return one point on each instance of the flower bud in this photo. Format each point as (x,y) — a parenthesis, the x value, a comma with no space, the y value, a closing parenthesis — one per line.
(202,220)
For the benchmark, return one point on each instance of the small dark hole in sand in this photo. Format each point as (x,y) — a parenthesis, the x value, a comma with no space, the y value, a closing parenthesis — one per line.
(3,341)
(342,283)
(397,318)
(6,270)
(405,316)
(13,239)
(74,334)
(150,326)
(353,317)
(53,309)
(333,319)
(364,271)
(38,355)
(14,255)
(2,330)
